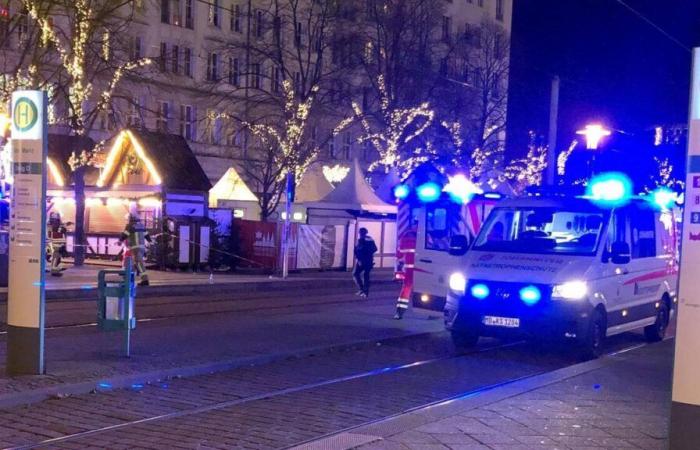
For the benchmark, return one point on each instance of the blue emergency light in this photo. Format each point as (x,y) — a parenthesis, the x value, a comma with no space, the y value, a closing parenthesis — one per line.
(609,189)
(428,192)
(480,291)
(530,295)
(401,191)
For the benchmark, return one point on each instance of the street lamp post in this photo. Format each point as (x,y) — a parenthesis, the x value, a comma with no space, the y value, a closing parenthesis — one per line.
(594,134)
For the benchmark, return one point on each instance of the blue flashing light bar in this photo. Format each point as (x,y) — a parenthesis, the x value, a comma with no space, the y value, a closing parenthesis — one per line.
(401,191)
(610,189)
(428,192)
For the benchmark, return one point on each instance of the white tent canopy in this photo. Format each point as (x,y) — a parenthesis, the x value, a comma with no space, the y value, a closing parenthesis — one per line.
(231,187)
(353,193)
(313,186)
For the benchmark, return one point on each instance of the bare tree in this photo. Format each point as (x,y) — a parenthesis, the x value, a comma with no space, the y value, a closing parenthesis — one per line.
(485,51)
(89,58)
(278,82)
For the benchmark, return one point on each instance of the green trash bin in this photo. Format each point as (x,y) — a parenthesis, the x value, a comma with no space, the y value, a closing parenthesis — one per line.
(116,300)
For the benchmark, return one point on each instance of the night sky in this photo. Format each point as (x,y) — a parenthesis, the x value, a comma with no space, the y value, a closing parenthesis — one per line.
(615,68)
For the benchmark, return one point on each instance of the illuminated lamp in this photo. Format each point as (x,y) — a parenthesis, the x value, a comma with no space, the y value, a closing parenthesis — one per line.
(401,191)
(93,202)
(480,291)
(664,198)
(594,134)
(530,295)
(609,189)
(461,189)
(150,202)
(428,192)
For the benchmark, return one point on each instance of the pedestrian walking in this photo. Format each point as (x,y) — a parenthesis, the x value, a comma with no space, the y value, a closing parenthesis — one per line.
(364,261)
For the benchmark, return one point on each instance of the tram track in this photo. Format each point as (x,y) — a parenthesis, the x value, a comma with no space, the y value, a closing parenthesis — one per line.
(408,371)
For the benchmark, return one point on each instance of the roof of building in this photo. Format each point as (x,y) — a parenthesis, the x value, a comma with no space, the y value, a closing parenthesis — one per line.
(172,158)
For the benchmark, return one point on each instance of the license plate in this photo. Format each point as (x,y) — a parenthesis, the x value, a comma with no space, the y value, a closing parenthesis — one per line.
(508,322)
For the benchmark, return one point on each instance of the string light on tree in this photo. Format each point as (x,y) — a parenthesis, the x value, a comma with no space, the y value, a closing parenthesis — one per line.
(389,137)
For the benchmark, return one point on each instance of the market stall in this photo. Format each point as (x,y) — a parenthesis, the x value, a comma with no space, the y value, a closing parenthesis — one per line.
(156,174)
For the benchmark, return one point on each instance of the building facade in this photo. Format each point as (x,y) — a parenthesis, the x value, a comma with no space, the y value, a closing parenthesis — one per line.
(207,70)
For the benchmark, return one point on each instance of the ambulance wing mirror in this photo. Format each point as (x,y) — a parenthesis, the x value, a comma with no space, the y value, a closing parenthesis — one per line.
(620,253)
(459,245)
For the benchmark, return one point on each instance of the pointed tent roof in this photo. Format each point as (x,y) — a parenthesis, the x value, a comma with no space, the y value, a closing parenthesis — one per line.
(314,185)
(353,193)
(231,187)
(170,161)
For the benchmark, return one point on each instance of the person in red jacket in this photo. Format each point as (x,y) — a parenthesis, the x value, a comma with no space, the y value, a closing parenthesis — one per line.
(407,255)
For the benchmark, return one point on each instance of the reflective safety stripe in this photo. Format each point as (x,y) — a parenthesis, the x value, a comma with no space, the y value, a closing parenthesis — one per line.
(402,306)
(404,301)
(408,266)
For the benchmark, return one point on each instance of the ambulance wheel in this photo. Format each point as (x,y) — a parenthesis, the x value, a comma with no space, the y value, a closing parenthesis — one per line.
(464,340)
(594,341)
(657,331)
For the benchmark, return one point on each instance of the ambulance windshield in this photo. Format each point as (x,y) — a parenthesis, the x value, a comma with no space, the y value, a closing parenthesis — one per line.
(542,230)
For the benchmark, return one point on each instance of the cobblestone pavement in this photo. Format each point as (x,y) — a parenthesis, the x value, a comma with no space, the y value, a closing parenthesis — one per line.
(262,330)
(278,404)
(623,403)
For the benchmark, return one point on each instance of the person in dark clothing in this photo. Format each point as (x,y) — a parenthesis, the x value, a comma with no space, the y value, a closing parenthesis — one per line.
(364,261)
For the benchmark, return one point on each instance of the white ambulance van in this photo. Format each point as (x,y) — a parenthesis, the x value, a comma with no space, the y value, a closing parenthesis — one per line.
(437,224)
(565,268)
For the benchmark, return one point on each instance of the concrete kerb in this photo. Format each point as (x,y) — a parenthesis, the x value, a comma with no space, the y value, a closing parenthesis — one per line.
(411,419)
(128,381)
(180,290)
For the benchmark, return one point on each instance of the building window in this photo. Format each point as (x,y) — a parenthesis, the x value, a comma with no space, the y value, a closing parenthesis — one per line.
(236,18)
(175,57)
(106,120)
(275,79)
(135,48)
(297,34)
(481,3)
(213,67)
(176,16)
(189,14)
(331,148)
(499,10)
(163,119)
(162,61)
(347,146)
(214,13)
(165,11)
(213,130)
(134,117)
(258,24)
(188,62)
(234,72)
(255,72)
(187,122)
(446,28)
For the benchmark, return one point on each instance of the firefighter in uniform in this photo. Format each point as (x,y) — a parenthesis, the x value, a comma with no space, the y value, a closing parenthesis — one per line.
(407,256)
(135,237)
(56,237)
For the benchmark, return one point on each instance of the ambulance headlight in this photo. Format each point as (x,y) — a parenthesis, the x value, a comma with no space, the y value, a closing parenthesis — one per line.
(458,283)
(571,290)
